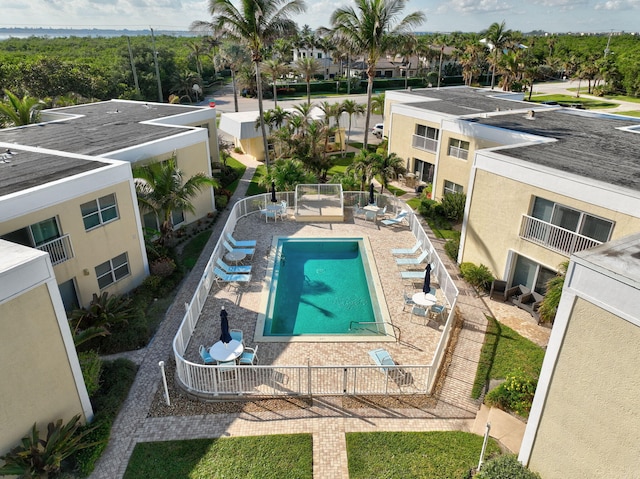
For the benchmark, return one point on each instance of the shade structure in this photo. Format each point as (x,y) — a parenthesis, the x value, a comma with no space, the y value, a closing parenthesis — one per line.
(225,337)
(273,193)
(426,287)
(371,198)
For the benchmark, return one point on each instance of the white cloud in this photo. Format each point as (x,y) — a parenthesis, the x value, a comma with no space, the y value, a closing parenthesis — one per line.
(474,6)
(614,5)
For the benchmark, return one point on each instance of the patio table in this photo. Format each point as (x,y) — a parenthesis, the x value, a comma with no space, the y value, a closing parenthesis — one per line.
(226,352)
(422,299)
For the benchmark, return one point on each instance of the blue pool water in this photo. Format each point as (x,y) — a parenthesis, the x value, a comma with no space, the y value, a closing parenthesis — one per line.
(320,286)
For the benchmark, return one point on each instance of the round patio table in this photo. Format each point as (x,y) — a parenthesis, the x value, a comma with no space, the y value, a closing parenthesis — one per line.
(422,299)
(226,352)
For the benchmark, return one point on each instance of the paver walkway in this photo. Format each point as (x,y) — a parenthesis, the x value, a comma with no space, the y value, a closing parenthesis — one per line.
(327,419)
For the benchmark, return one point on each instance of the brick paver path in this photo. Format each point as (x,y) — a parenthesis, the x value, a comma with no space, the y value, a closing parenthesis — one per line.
(327,420)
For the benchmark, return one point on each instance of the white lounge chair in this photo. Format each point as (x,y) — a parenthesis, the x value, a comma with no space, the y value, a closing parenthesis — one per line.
(230,278)
(231,249)
(417,260)
(412,274)
(240,244)
(242,269)
(415,248)
(398,219)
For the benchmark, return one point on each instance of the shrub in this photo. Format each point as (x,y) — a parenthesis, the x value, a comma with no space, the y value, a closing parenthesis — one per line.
(478,276)
(221,202)
(238,150)
(451,247)
(453,205)
(91,366)
(514,394)
(162,267)
(505,466)
(431,209)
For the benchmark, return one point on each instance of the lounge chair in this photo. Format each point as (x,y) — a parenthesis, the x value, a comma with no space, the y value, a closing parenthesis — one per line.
(242,269)
(206,357)
(388,367)
(412,274)
(231,249)
(398,219)
(415,248)
(249,356)
(230,278)
(417,260)
(240,244)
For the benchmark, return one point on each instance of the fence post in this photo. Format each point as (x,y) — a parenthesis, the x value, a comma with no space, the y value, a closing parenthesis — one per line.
(309,377)
(164,383)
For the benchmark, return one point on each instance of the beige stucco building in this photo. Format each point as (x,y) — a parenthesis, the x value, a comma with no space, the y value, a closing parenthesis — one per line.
(40,377)
(66,187)
(584,421)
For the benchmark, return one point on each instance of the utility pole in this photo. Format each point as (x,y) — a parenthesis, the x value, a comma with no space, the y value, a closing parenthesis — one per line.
(606,50)
(155,60)
(133,67)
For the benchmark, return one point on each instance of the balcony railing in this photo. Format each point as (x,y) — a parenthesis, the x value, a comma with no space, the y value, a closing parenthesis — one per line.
(59,249)
(458,152)
(553,237)
(424,143)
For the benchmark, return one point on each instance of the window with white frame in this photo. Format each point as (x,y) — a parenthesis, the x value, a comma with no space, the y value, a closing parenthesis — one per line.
(458,148)
(426,138)
(99,211)
(450,187)
(113,270)
(572,219)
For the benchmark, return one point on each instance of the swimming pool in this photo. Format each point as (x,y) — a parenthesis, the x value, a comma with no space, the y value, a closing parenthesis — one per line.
(323,287)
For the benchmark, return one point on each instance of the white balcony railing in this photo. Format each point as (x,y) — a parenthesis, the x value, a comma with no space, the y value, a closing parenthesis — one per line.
(458,152)
(424,143)
(553,237)
(59,249)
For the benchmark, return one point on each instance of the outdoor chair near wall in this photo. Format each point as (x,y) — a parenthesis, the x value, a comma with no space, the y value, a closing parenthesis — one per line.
(358,210)
(206,357)
(226,367)
(236,334)
(515,292)
(498,290)
(240,244)
(408,300)
(419,313)
(370,215)
(270,213)
(382,211)
(402,216)
(231,249)
(249,356)
(241,269)
(399,251)
(420,259)
(230,278)
(437,312)
(283,209)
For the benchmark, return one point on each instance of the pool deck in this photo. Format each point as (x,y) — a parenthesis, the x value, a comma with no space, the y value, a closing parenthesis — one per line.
(327,420)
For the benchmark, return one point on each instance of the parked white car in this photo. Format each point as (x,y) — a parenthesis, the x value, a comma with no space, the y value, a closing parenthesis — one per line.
(377,130)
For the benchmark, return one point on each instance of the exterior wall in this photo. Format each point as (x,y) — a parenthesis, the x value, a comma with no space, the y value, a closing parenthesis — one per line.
(40,378)
(403,128)
(589,425)
(495,213)
(253,147)
(192,160)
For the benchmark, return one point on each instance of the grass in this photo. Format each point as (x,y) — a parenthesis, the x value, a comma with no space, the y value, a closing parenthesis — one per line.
(191,251)
(630,113)
(568,99)
(632,99)
(340,164)
(505,351)
(254,188)
(240,168)
(262,457)
(406,455)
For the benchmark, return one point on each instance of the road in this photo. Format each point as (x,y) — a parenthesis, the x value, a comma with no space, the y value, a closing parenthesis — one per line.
(562,88)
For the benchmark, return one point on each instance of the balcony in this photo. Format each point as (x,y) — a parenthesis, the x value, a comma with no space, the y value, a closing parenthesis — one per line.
(554,237)
(424,143)
(59,249)
(458,152)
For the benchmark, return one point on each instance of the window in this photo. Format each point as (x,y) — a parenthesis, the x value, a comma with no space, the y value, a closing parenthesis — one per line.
(531,274)
(458,148)
(36,234)
(426,138)
(319,55)
(573,220)
(113,270)
(450,187)
(100,211)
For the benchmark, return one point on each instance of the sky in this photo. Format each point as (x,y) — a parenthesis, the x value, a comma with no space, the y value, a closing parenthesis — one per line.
(442,15)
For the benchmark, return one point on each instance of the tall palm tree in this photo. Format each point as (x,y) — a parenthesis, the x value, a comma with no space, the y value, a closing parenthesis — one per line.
(20,111)
(255,23)
(441,41)
(162,189)
(275,69)
(307,66)
(351,108)
(386,167)
(362,166)
(497,37)
(370,29)
(233,55)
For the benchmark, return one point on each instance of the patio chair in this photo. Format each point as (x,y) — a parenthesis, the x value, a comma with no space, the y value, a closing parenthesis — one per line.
(419,312)
(206,357)
(437,311)
(382,211)
(249,356)
(242,269)
(408,300)
(370,215)
(240,244)
(415,248)
(269,213)
(417,260)
(226,367)
(236,334)
(358,210)
(231,249)
(230,278)
(412,274)
(283,209)
(400,217)
(381,357)
(498,290)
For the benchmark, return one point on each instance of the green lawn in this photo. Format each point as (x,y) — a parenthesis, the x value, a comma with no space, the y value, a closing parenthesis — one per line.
(254,187)
(193,248)
(630,113)
(505,351)
(407,455)
(261,457)
(340,164)
(569,99)
(240,168)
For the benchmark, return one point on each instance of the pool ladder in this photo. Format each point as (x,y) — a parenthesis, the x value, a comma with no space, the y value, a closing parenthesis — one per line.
(368,323)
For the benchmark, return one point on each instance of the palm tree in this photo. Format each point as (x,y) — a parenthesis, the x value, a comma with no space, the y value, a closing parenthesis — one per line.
(307,66)
(441,41)
(351,108)
(286,174)
(386,167)
(497,37)
(233,55)
(162,189)
(255,23)
(362,166)
(20,111)
(549,305)
(377,105)
(370,30)
(275,68)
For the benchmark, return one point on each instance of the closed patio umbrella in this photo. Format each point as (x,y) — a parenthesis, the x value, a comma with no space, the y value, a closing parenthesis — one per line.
(371,198)
(426,287)
(273,193)
(225,337)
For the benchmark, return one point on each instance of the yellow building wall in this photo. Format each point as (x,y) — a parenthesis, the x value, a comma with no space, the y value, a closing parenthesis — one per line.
(403,129)
(253,147)
(592,404)
(495,216)
(35,377)
(93,247)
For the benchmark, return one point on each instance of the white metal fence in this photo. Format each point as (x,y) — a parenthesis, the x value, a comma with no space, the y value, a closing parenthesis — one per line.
(554,237)
(208,380)
(59,249)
